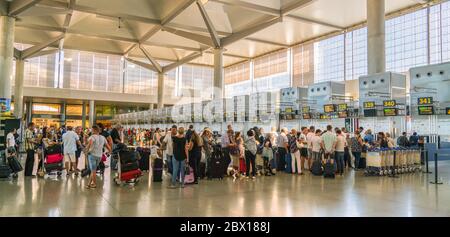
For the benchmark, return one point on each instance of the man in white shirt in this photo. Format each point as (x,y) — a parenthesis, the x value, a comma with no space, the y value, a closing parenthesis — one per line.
(311,133)
(329,142)
(316,145)
(10,140)
(70,140)
(169,146)
(283,147)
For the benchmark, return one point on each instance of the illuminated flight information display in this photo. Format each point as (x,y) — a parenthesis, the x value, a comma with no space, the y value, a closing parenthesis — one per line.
(389,103)
(329,108)
(425,101)
(306,109)
(369,105)
(447,111)
(426,110)
(390,111)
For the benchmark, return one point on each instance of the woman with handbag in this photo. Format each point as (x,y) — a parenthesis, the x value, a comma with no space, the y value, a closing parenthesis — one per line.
(195,154)
(94,150)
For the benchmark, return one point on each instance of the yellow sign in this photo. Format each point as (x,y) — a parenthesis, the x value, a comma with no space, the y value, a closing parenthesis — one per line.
(447,110)
(369,105)
(342,107)
(389,103)
(329,108)
(307,116)
(325,116)
(426,110)
(306,109)
(288,110)
(390,112)
(425,101)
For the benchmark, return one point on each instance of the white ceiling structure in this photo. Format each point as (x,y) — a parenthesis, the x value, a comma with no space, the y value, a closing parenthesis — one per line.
(185,30)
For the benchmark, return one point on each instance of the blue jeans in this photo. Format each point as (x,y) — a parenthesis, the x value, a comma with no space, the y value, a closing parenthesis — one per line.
(93,162)
(357,156)
(340,161)
(178,167)
(169,164)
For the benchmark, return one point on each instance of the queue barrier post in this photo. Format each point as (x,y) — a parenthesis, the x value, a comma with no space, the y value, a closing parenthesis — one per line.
(436,178)
(427,170)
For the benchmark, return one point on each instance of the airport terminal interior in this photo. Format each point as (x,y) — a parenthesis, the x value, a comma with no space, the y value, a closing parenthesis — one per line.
(225,108)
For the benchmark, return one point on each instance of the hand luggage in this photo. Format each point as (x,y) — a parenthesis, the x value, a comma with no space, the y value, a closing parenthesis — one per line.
(216,171)
(316,167)
(127,176)
(144,162)
(157,170)
(101,167)
(5,170)
(288,160)
(54,167)
(362,163)
(242,165)
(127,157)
(55,149)
(129,167)
(189,178)
(54,158)
(328,170)
(14,164)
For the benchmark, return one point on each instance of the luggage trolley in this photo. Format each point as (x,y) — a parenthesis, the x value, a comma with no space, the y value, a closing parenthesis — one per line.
(375,162)
(128,171)
(53,163)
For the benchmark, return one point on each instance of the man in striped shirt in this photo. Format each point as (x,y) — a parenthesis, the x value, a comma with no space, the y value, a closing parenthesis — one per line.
(30,141)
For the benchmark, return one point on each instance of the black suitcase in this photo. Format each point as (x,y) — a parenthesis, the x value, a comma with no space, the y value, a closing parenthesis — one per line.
(54,167)
(127,157)
(328,170)
(217,167)
(14,164)
(316,168)
(362,163)
(157,170)
(144,163)
(55,149)
(5,171)
(129,167)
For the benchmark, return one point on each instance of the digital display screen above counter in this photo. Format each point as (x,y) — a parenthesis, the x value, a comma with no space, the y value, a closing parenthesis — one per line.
(368,113)
(306,109)
(426,110)
(329,108)
(306,116)
(447,111)
(369,105)
(425,101)
(288,110)
(390,112)
(389,103)
(342,107)
(325,116)
(343,114)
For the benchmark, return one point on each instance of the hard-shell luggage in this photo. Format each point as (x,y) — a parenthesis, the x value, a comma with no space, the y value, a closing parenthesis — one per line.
(316,168)
(54,158)
(127,157)
(54,167)
(216,171)
(14,164)
(189,178)
(127,176)
(328,170)
(129,167)
(288,160)
(55,149)
(242,165)
(157,170)
(362,163)
(5,171)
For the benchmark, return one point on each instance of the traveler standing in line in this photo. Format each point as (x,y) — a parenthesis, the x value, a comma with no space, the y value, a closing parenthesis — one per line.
(115,135)
(369,137)
(382,141)
(81,138)
(157,137)
(180,157)
(283,147)
(414,140)
(310,134)
(403,141)
(207,146)
(356,147)
(30,143)
(329,143)
(267,155)
(70,141)
(195,154)
(237,152)
(169,147)
(227,143)
(251,147)
(94,151)
(390,140)
(303,144)
(317,146)
(105,134)
(348,156)
(341,143)
(295,152)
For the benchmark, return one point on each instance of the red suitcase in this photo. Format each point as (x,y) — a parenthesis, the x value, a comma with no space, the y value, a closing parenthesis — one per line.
(242,165)
(127,176)
(54,158)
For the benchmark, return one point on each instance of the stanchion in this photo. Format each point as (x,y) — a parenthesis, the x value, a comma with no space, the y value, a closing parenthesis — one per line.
(394,174)
(436,178)
(427,170)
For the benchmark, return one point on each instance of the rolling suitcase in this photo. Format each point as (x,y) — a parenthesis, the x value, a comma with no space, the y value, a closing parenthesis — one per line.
(189,178)
(127,176)
(14,164)
(216,171)
(55,149)
(242,165)
(288,160)
(54,158)
(129,167)
(54,167)
(127,157)
(157,170)
(316,168)
(328,170)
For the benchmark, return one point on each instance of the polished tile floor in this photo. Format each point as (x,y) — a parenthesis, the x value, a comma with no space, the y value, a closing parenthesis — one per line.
(281,196)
